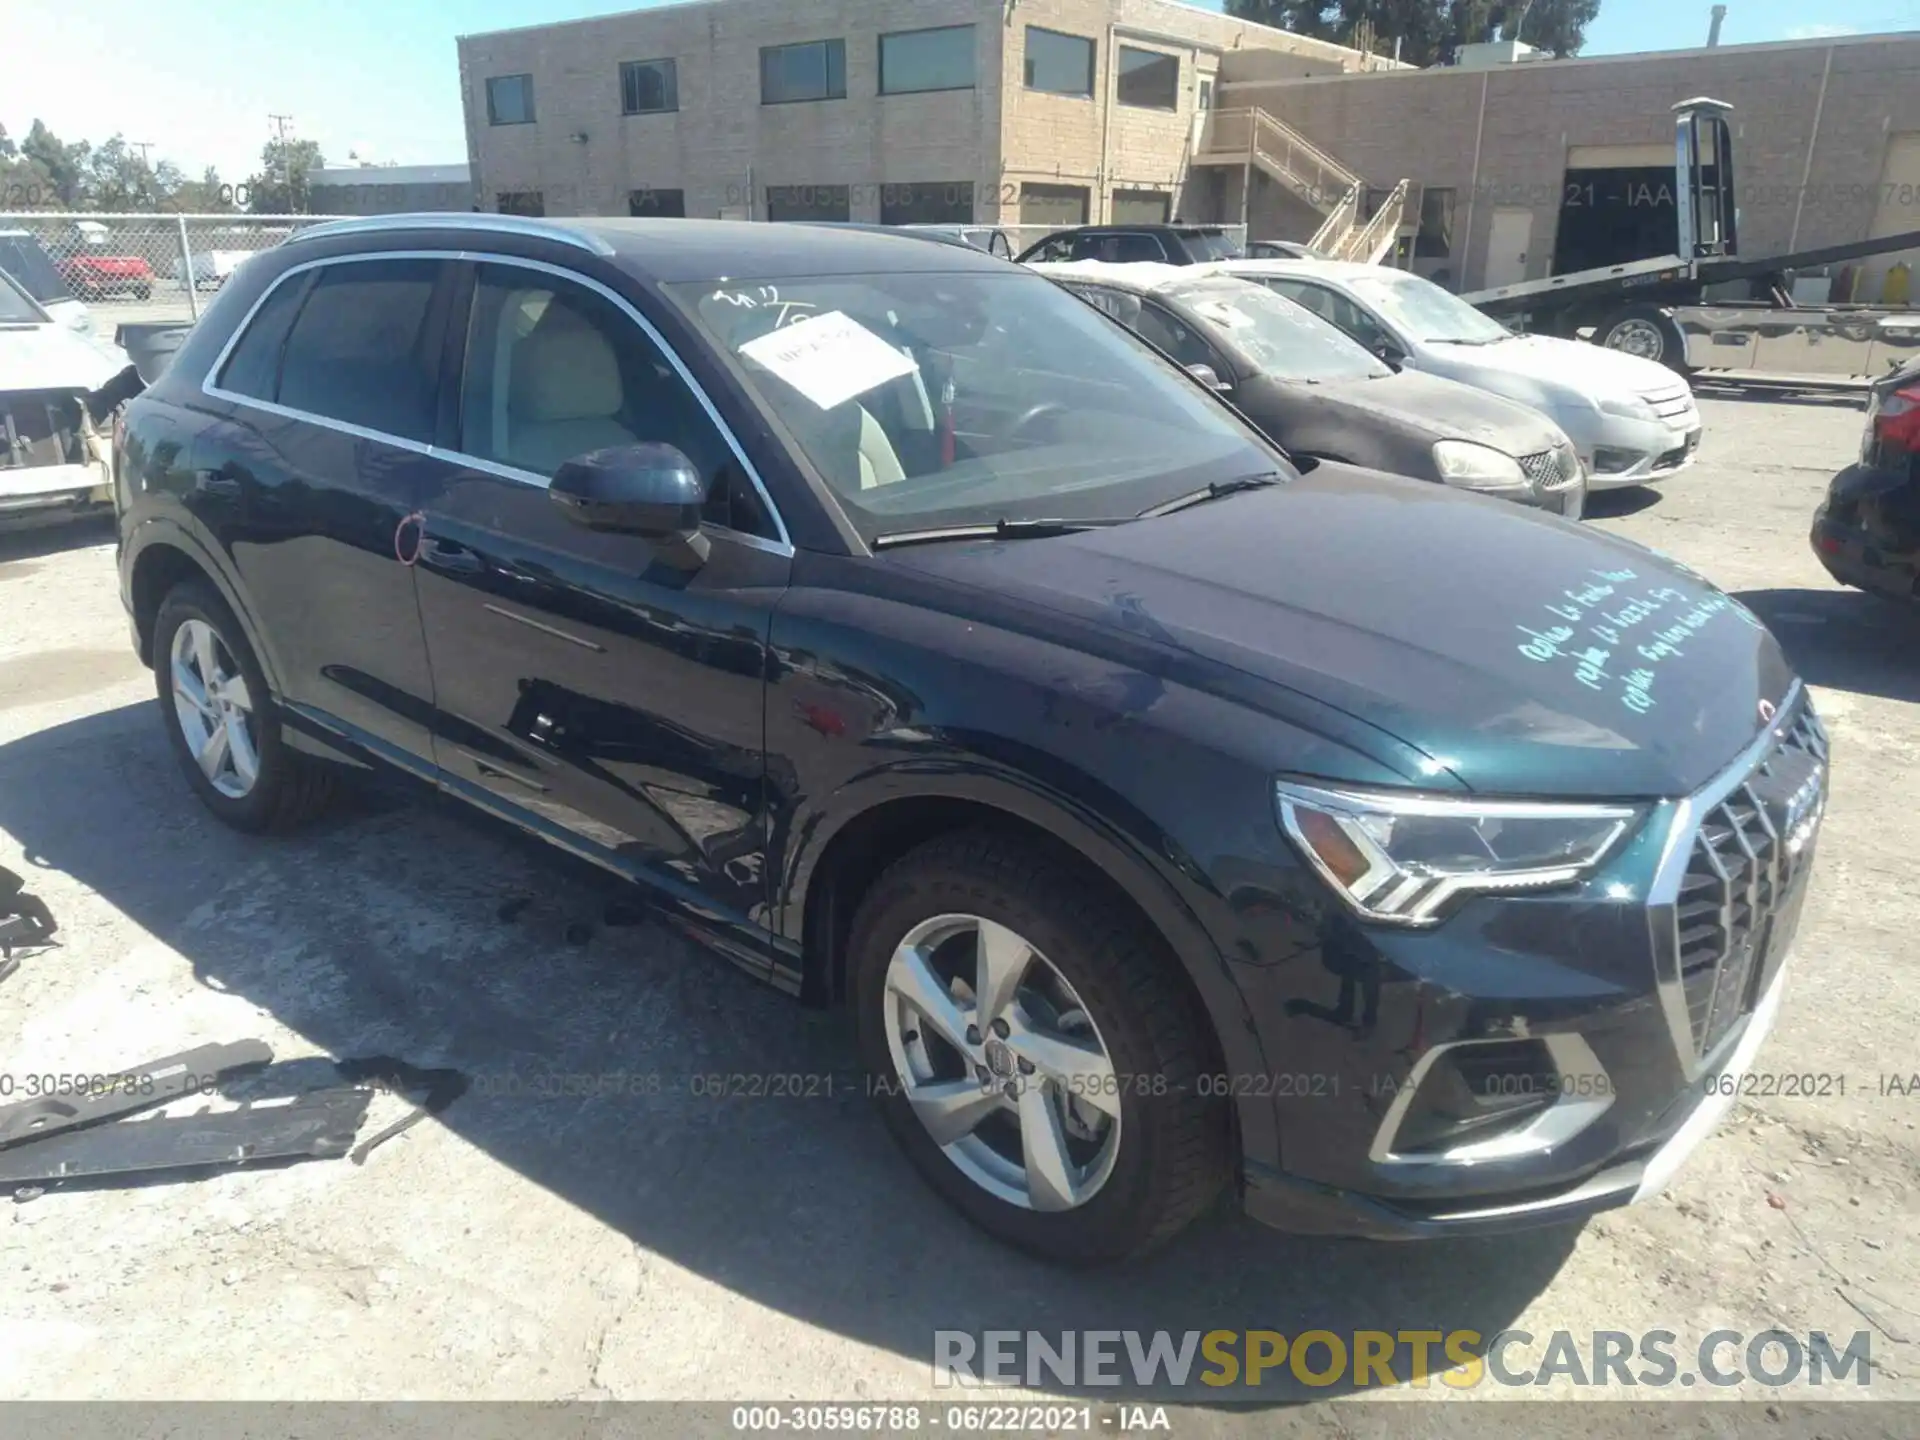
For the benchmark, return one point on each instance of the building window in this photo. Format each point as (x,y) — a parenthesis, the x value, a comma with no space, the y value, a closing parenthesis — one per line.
(521,202)
(510,100)
(658,204)
(808,202)
(1053,204)
(1142,207)
(918,60)
(1434,239)
(1059,64)
(1149,79)
(648,87)
(929,202)
(816,70)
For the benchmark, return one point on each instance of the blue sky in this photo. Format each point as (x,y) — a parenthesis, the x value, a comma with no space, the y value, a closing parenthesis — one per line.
(198,78)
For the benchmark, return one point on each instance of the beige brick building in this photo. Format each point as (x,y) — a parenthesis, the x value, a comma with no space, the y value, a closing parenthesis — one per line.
(1060,111)
(1826,132)
(867,110)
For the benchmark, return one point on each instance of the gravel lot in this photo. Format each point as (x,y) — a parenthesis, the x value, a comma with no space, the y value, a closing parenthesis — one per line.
(672,1246)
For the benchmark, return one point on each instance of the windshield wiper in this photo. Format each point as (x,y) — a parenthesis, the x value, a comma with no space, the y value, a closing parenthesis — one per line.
(1213,492)
(1002,529)
(1455,340)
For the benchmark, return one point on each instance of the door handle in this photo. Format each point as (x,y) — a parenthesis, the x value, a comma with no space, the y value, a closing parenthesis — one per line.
(450,556)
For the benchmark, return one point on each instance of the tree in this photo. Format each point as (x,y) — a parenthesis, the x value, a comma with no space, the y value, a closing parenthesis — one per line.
(64,165)
(1426,30)
(205,196)
(280,186)
(117,177)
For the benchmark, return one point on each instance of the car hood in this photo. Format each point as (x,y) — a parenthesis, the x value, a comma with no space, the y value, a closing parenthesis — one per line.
(1445,408)
(1516,652)
(52,357)
(1589,370)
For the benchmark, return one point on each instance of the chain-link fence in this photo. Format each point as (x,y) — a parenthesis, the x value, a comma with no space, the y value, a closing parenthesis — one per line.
(129,268)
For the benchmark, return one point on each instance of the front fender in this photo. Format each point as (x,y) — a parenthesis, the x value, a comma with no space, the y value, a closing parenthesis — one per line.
(1143,862)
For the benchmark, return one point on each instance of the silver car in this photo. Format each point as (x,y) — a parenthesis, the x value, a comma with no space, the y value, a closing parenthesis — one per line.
(1633,421)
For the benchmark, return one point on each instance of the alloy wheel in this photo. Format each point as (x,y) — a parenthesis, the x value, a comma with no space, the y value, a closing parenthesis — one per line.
(214,708)
(1002,1063)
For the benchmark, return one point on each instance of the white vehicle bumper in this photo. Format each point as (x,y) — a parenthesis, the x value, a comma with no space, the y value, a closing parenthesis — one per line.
(45,492)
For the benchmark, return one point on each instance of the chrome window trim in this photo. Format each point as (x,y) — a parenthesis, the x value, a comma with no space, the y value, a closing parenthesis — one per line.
(209,386)
(1664,893)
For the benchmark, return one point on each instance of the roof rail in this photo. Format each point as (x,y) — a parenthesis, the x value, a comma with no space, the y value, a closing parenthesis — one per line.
(479,222)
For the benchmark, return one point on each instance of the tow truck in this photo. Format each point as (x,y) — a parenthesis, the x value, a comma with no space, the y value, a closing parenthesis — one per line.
(1660,307)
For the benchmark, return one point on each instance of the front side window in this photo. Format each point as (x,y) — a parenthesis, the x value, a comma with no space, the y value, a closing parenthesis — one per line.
(363,350)
(1120,249)
(648,87)
(1059,64)
(1178,339)
(1331,306)
(815,70)
(1273,335)
(916,60)
(554,369)
(510,100)
(933,399)
(24,261)
(16,306)
(1149,79)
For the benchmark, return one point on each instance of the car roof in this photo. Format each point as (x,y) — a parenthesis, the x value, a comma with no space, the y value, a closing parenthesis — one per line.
(666,251)
(1140,276)
(1324,269)
(1155,227)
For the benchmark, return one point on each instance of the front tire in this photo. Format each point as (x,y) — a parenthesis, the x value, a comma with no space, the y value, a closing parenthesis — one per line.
(222,724)
(1034,1049)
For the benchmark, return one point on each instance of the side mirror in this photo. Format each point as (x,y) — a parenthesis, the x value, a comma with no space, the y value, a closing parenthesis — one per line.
(648,490)
(1208,377)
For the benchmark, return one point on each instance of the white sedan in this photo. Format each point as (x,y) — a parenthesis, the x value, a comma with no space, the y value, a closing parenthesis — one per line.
(1631,420)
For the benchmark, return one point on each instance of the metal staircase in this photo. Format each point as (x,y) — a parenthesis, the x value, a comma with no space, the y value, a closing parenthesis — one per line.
(1255,140)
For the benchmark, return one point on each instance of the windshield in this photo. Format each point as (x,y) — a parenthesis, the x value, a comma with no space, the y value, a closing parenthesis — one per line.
(22,258)
(1422,311)
(932,400)
(1275,335)
(1211,247)
(16,308)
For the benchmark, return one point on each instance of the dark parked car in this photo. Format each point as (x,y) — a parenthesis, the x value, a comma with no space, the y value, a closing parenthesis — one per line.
(1314,390)
(1168,818)
(1123,244)
(989,238)
(1867,531)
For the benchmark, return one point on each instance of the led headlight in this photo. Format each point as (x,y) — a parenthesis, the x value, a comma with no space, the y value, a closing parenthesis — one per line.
(1402,857)
(1477,467)
(1630,407)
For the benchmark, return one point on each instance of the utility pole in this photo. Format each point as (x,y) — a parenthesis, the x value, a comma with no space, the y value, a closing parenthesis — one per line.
(281,124)
(143,146)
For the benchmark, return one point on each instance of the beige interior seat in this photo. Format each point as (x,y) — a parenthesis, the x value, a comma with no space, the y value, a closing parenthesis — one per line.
(879,461)
(565,396)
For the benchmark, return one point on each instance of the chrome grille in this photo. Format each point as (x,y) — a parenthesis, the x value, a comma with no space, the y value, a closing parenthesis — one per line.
(1670,403)
(1553,469)
(1747,854)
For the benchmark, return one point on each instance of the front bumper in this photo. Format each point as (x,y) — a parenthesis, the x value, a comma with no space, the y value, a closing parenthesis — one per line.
(1617,452)
(50,494)
(1640,1028)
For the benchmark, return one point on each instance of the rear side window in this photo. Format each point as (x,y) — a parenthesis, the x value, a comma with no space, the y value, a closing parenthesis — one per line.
(1120,249)
(362,350)
(253,370)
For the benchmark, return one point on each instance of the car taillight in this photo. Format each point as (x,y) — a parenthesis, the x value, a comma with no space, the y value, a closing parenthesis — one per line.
(1901,402)
(1895,423)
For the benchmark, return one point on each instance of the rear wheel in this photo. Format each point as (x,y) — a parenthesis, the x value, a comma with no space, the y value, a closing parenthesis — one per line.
(1646,331)
(1036,1055)
(221,721)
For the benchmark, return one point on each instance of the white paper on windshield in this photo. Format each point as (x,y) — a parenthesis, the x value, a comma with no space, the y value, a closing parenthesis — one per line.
(828,358)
